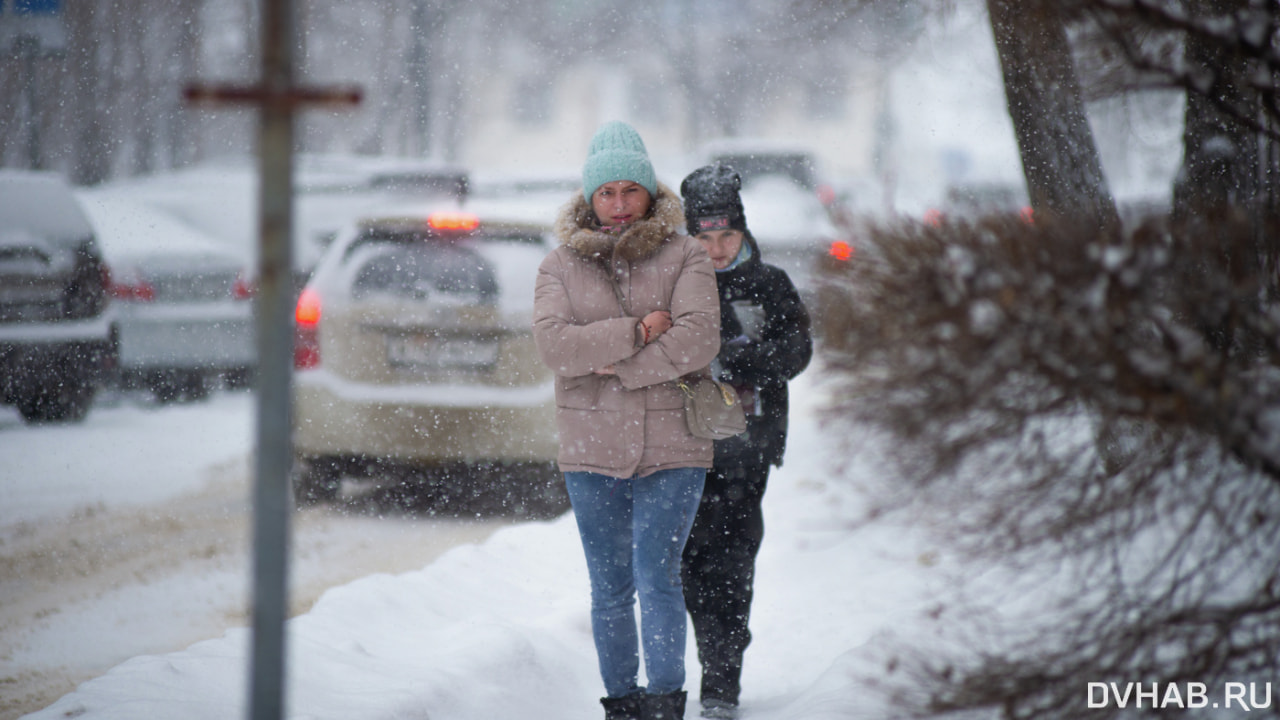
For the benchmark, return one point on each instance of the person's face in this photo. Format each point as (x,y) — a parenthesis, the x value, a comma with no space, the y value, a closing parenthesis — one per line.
(722,245)
(620,202)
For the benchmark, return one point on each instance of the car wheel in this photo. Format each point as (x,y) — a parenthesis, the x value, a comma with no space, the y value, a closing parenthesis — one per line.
(547,495)
(525,489)
(239,379)
(63,396)
(178,385)
(195,386)
(315,480)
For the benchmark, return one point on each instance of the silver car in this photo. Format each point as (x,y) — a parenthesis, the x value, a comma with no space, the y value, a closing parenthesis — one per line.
(415,361)
(181,301)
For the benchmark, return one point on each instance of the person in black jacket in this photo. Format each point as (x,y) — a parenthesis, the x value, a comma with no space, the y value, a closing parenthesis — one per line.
(764,342)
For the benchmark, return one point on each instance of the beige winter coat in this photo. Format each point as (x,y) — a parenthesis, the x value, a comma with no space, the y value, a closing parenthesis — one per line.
(631,423)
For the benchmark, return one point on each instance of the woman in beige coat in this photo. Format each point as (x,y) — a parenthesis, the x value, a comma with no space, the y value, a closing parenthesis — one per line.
(626,304)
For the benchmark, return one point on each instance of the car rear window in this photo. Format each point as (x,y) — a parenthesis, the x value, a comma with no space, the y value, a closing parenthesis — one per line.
(418,265)
(796,166)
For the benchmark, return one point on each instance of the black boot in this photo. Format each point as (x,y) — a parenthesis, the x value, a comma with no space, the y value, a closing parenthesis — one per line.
(663,707)
(626,707)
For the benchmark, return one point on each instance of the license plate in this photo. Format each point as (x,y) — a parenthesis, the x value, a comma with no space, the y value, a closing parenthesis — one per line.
(442,352)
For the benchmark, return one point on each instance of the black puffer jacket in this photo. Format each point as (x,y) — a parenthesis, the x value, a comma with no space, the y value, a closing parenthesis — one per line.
(764,342)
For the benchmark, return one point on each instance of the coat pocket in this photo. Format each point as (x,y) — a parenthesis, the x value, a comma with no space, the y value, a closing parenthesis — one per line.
(577,392)
(591,392)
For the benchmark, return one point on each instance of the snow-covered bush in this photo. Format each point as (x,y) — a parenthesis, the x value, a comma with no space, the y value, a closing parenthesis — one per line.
(1098,416)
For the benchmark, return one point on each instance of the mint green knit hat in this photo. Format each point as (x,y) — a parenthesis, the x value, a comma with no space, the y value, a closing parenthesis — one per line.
(617,153)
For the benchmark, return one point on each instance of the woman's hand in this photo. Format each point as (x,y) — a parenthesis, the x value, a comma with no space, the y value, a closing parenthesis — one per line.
(655,323)
(606,370)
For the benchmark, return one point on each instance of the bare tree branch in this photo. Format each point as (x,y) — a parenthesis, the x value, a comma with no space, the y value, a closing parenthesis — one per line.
(1106,409)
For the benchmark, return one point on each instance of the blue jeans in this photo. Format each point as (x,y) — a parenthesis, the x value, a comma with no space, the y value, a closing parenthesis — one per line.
(633,532)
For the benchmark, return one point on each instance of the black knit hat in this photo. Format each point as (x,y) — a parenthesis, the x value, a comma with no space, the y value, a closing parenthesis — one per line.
(711,200)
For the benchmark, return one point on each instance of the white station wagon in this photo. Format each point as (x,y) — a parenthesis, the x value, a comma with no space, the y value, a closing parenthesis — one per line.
(415,363)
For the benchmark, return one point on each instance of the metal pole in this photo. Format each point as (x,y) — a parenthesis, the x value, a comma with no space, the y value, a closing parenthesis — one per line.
(275,364)
(272,504)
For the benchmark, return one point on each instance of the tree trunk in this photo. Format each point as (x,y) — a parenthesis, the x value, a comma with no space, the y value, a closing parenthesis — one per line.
(1059,157)
(1220,153)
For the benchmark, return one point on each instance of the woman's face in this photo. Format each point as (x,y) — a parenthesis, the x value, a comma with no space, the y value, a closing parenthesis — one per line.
(620,202)
(722,245)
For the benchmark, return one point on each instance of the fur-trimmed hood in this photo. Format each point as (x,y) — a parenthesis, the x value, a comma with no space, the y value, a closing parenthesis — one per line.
(576,230)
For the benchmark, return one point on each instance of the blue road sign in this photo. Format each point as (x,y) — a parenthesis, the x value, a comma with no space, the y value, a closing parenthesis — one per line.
(37,7)
(35,24)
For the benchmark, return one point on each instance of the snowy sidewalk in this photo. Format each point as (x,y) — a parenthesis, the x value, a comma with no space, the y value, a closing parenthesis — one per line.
(502,629)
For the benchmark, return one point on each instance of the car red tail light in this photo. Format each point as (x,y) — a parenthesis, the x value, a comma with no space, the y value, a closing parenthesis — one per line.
(840,250)
(306,334)
(456,221)
(130,286)
(243,289)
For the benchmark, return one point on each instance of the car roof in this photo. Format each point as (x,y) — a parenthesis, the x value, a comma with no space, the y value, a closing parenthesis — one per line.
(755,145)
(41,203)
(414,213)
(127,228)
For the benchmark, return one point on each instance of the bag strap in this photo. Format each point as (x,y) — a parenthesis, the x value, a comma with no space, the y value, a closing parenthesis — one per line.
(725,391)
